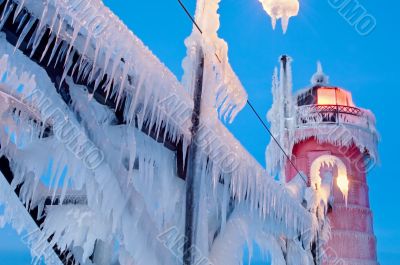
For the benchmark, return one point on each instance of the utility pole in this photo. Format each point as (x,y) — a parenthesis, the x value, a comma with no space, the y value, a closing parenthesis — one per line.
(193,173)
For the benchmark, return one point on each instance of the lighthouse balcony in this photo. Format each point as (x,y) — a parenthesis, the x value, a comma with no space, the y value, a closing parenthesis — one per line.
(314,115)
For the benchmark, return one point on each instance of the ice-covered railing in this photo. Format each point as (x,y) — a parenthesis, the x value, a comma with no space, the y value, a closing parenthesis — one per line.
(269,199)
(343,125)
(227,160)
(111,57)
(224,160)
(310,115)
(106,194)
(108,46)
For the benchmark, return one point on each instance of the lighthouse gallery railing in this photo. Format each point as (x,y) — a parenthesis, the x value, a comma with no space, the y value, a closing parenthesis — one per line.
(309,115)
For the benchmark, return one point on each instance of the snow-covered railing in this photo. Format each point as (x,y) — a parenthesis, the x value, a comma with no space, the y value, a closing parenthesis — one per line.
(110,57)
(313,114)
(343,125)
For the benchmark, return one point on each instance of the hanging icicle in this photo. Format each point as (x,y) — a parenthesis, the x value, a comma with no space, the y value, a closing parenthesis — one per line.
(281,9)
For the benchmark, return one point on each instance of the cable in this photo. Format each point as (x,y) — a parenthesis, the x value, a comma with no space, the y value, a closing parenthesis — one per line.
(195,23)
(249,103)
(190,16)
(276,140)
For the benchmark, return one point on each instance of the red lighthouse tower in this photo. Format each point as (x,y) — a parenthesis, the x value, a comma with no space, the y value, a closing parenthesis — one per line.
(332,144)
(335,141)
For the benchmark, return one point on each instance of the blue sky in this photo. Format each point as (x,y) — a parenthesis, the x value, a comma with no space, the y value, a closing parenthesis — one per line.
(365,65)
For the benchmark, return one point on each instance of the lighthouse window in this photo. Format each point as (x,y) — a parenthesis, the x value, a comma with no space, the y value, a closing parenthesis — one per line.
(334,96)
(341,97)
(326,96)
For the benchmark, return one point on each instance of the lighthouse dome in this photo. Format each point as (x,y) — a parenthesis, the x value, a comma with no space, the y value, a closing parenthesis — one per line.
(321,93)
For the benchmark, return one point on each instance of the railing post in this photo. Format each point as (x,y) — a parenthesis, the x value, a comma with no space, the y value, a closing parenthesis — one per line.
(193,174)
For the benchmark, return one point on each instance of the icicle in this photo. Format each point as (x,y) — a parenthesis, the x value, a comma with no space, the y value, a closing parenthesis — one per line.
(22,22)
(61,53)
(71,44)
(49,42)
(53,52)
(96,54)
(24,32)
(122,86)
(53,21)
(83,54)
(7,11)
(39,35)
(67,68)
(18,10)
(281,9)
(58,39)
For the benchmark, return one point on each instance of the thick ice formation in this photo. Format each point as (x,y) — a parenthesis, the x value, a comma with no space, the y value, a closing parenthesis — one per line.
(16,215)
(248,181)
(319,78)
(75,226)
(248,229)
(105,190)
(223,91)
(282,119)
(107,49)
(281,9)
(342,178)
(134,192)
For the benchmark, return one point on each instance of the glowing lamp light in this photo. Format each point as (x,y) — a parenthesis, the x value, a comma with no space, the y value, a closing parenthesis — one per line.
(334,96)
(343,184)
(326,96)
(281,9)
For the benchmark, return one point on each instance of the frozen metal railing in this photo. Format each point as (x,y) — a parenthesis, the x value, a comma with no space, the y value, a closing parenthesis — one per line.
(311,115)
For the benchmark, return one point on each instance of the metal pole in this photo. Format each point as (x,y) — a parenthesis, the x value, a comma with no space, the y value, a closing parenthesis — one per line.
(337,107)
(193,174)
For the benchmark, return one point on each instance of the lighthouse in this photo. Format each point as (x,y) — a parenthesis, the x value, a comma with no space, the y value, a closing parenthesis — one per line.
(335,141)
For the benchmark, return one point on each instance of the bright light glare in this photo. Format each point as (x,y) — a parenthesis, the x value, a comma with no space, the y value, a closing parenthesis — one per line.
(343,184)
(281,9)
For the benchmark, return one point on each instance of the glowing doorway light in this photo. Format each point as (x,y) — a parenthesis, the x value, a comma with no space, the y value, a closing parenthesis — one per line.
(343,184)
(342,180)
(281,9)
